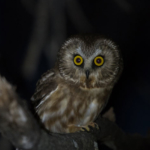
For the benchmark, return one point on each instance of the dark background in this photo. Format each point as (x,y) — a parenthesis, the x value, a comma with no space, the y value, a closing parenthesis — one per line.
(46,25)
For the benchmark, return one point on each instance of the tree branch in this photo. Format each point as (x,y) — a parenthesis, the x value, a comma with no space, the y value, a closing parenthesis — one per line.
(20,127)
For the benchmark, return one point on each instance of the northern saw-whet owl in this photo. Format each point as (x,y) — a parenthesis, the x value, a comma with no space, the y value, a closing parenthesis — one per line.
(72,94)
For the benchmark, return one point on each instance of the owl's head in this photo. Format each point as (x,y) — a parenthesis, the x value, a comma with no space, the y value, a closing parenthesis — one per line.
(89,61)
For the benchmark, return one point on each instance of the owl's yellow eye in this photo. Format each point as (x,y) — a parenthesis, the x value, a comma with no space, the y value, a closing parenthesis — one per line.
(78,60)
(98,61)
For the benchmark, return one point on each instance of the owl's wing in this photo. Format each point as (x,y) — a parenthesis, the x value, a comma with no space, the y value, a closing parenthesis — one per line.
(44,86)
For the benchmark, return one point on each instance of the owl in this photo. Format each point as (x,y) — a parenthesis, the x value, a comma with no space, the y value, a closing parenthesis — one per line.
(71,95)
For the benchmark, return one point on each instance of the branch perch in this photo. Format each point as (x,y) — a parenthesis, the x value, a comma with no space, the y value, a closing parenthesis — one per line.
(19,125)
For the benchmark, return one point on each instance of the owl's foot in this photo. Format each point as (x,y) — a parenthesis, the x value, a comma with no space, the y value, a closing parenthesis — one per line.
(89,126)
(73,128)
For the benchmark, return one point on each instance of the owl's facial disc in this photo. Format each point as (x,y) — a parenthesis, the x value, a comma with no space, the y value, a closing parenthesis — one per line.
(90,62)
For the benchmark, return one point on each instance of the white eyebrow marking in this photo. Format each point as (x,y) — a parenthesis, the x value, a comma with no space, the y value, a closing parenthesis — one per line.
(80,51)
(96,53)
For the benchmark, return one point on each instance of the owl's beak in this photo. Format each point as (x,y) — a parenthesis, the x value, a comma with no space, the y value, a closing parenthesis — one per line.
(87,72)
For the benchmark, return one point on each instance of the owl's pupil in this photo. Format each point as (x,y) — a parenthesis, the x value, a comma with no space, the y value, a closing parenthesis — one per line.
(98,60)
(78,60)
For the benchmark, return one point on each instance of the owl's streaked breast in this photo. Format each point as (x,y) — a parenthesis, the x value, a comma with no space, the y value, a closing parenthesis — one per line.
(68,105)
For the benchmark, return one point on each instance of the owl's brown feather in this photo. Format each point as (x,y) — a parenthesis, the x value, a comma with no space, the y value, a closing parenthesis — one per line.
(44,86)
(66,100)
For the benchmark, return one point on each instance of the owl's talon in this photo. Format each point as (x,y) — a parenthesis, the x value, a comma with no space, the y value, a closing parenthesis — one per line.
(82,129)
(86,128)
(90,127)
(94,125)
